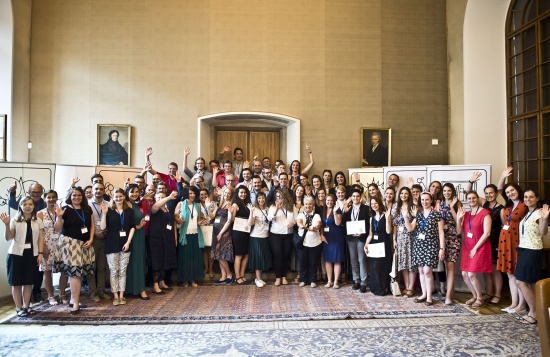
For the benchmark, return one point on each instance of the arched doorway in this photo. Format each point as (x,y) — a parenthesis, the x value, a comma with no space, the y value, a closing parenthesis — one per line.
(288,127)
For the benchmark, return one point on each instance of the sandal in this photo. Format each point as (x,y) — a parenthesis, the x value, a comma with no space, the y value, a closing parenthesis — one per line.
(493,302)
(31,311)
(21,312)
(471,301)
(329,284)
(477,304)
(240,282)
(419,299)
(528,320)
(52,301)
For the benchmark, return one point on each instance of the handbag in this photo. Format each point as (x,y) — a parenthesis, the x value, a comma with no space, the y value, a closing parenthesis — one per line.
(394,285)
(207,235)
(440,266)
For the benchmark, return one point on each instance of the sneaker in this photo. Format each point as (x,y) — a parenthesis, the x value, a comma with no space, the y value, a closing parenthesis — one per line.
(355,286)
(193,284)
(302,284)
(116,302)
(122,301)
(263,282)
(259,283)
(52,301)
(313,285)
(363,289)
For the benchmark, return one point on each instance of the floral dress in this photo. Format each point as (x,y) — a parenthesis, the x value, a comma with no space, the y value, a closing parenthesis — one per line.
(222,249)
(452,238)
(425,250)
(51,240)
(404,241)
(509,239)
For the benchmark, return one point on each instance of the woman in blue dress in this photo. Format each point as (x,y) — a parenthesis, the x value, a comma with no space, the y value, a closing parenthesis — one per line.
(335,233)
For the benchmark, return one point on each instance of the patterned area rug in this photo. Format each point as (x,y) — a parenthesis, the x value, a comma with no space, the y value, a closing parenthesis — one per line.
(242,303)
(493,335)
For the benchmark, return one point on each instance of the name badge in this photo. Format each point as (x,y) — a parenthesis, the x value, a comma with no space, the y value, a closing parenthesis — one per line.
(27,246)
(84,230)
(401,228)
(445,227)
(218,220)
(122,233)
(470,235)
(422,236)
(506,227)
(147,218)
(169,227)
(326,229)
(375,237)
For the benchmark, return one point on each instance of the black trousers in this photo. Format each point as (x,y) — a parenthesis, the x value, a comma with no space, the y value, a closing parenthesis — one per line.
(281,246)
(308,263)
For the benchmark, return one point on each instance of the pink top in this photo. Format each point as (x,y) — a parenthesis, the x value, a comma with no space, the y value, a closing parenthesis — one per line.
(482,261)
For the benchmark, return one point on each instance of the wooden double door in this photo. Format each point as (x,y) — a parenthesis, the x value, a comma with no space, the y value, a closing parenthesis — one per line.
(260,143)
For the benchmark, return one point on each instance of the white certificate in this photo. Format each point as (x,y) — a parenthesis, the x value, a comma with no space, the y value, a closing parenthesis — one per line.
(376,250)
(355,227)
(241,225)
(207,235)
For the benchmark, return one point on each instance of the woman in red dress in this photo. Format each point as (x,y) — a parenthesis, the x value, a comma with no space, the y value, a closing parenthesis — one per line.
(476,247)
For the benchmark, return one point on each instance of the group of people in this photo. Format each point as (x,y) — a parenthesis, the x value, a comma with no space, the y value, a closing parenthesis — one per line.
(254,215)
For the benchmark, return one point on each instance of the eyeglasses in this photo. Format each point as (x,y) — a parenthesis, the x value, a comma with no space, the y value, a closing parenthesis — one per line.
(35,192)
(229,180)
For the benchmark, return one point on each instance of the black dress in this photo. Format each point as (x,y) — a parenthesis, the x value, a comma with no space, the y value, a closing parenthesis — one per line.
(241,240)
(496,226)
(380,267)
(163,244)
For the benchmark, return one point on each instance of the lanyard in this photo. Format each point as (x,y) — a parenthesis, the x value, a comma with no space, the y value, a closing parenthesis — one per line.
(470,218)
(264,213)
(54,214)
(443,212)
(425,220)
(168,216)
(82,217)
(95,208)
(121,220)
(525,221)
(355,216)
(284,212)
(192,210)
(510,213)
(375,225)
(205,209)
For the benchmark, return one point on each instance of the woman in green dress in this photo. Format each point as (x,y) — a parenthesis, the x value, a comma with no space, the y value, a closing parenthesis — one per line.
(135,275)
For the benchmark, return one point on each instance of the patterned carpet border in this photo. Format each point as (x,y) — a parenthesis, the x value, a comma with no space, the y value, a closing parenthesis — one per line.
(208,304)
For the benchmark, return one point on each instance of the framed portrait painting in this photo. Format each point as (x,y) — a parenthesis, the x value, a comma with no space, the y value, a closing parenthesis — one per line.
(375,147)
(113,144)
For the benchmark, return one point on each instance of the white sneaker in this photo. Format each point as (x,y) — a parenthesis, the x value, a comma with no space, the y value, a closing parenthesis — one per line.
(263,282)
(302,284)
(313,285)
(259,283)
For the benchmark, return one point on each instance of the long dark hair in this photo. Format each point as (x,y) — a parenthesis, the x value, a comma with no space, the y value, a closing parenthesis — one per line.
(85,206)
(336,175)
(453,194)
(129,189)
(236,198)
(400,202)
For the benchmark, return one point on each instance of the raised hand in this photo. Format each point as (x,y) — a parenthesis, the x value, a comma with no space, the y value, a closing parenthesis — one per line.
(74,181)
(215,171)
(148,166)
(356,176)
(178,176)
(475,176)
(5,218)
(507,171)
(104,209)
(13,187)
(460,214)
(545,211)
(149,151)
(308,148)
(411,182)
(226,148)
(454,201)
(186,151)
(127,183)
(246,165)
(414,211)
(59,211)
(173,195)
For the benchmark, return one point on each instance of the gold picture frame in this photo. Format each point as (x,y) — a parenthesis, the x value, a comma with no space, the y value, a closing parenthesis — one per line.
(114,149)
(379,156)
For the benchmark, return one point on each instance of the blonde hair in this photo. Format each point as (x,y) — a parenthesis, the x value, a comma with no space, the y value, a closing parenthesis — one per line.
(232,193)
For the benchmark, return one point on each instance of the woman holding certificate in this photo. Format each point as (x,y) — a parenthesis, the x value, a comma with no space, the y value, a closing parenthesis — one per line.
(356,216)
(260,254)
(208,212)
(428,245)
(380,244)
(241,231)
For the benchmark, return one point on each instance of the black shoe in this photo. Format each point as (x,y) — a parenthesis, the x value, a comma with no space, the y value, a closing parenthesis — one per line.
(355,286)
(363,289)
(158,292)
(74,312)
(80,305)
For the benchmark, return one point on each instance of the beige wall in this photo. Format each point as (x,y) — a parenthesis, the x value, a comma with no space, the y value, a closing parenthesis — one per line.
(20,120)
(158,65)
